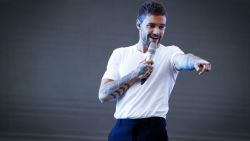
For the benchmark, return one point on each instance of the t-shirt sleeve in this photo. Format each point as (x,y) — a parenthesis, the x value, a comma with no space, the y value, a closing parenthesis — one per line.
(112,70)
(176,50)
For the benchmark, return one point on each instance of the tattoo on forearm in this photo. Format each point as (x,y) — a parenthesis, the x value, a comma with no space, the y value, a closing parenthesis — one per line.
(120,91)
(118,87)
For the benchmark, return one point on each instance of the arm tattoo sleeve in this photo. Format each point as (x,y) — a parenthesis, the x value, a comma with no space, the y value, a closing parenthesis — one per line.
(118,87)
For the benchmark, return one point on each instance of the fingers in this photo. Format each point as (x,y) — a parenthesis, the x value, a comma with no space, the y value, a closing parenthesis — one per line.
(148,70)
(149,62)
(209,67)
(144,69)
(202,68)
(196,66)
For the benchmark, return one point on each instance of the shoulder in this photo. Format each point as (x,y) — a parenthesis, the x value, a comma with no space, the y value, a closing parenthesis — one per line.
(170,48)
(121,50)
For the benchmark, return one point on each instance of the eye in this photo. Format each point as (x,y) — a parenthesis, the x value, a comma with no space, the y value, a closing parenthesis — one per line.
(162,26)
(151,25)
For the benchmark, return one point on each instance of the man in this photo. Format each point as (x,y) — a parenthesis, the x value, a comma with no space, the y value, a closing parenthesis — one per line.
(141,86)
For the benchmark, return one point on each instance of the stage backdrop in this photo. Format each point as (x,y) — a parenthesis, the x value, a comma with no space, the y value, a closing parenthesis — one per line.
(53,54)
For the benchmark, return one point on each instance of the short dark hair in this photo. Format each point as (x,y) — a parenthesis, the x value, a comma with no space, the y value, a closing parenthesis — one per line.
(152,7)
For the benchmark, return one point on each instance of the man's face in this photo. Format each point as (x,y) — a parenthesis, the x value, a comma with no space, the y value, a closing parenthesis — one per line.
(152,29)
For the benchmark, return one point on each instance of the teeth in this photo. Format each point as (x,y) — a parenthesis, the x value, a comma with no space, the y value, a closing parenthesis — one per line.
(154,37)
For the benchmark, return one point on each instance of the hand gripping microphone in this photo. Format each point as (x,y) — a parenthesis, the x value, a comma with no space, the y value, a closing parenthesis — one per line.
(149,56)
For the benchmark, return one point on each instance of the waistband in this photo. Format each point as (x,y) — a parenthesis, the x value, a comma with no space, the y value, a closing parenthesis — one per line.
(141,121)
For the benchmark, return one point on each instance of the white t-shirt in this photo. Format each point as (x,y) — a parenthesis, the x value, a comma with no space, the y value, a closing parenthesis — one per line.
(151,98)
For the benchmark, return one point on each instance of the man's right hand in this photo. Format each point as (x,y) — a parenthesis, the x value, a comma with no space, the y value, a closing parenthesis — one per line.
(144,69)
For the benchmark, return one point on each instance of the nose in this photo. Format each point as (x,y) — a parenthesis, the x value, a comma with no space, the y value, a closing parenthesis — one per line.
(156,31)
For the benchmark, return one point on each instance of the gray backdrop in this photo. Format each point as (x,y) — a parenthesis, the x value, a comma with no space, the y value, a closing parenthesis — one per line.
(53,54)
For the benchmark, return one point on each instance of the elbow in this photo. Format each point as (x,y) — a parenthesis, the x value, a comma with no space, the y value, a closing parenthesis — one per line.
(177,62)
(104,95)
(102,98)
(178,67)
(102,101)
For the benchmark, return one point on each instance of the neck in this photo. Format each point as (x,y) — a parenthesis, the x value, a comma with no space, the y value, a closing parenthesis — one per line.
(142,47)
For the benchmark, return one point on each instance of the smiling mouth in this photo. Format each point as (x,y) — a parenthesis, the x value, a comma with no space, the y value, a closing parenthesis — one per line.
(155,38)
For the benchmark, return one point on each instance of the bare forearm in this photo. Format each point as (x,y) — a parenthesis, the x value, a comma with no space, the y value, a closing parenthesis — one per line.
(187,61)
(191,62)
(184,62)
(112,90)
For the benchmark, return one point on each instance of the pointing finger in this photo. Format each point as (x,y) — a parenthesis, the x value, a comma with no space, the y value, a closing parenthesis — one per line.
(203,69)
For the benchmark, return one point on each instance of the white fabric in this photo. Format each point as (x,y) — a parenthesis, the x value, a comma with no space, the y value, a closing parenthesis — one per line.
(151,98)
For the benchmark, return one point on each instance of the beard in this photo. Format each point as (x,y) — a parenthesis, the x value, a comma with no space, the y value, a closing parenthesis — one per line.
(147,40)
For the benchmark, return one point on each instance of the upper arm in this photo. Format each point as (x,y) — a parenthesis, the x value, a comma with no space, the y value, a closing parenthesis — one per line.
(112,69)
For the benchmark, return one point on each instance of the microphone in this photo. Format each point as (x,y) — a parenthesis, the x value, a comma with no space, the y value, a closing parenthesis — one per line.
(149,56)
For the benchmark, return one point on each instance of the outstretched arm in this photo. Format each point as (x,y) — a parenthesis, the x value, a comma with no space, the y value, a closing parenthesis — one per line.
(110,89)
(191,62)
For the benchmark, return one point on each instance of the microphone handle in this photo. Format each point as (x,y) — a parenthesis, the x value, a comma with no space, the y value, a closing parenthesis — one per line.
(150,53)
(143,81)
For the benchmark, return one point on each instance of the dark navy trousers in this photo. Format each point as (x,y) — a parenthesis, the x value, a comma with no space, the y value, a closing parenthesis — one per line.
(144,129)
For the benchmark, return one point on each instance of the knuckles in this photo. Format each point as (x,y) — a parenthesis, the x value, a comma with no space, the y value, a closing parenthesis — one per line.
(144,69)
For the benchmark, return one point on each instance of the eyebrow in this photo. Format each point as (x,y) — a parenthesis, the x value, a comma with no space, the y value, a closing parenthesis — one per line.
(156,24)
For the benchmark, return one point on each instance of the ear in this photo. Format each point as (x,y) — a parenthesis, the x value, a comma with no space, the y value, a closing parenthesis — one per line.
(138,24)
